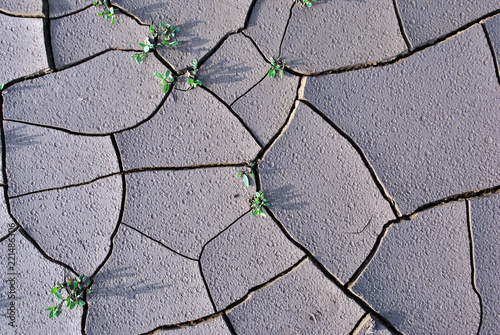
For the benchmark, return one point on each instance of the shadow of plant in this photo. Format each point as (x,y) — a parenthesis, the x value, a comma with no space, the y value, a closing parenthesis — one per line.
(221,74)
(121,282)
(15,139)
(286,198)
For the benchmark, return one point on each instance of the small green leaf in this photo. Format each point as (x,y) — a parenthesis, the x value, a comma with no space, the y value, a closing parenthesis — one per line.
(165,88)
(73,304)
(51,314)
(245,180)
(54,290)
(58,295)
(158,75)
(81,302)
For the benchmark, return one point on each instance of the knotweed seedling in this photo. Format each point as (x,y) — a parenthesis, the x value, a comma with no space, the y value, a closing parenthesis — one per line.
(307,3)
(168,32)
(146,47)
(257,202)
(73,289)
(194,79)
(277,66)
(167,79)
(245,174)
(109,12)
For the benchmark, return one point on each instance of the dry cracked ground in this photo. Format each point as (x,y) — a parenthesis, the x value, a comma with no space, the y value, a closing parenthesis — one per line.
(378,151)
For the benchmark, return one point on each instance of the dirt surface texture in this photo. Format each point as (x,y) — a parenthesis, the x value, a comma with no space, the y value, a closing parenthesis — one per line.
(273,167)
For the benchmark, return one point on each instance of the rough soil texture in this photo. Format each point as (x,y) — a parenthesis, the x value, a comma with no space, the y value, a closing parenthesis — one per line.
(375,145)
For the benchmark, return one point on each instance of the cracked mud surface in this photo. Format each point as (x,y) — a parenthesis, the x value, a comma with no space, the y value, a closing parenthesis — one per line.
(378,151)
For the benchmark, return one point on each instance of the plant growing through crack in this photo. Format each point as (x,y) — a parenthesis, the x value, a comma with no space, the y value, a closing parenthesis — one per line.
(307,3)
(146,47)
(194,79)
(245,174)
(109,11)
(277,66)
(257,202)
(73,289)
(166,33)
(167,79)
(1,87)
(161,38)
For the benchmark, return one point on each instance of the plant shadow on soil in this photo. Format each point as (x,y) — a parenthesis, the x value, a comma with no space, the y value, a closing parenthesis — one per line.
(121,282)
(15,139)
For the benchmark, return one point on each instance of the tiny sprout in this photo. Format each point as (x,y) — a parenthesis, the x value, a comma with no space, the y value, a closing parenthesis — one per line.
(146,46)
(74,288)
(257,202)
(277,66)
(194,79)
(108,13)
(1,86)
(168,32)
(166,79)
(307,3)
(246,174)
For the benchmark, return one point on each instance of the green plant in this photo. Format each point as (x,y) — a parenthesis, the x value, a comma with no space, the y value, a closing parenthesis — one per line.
(109,12)
(1,86)
(245,174)
(74,289)
(307,3)
(146,46)
(167,79)
(257,202)
(277,66)
(167,32)
(194,79)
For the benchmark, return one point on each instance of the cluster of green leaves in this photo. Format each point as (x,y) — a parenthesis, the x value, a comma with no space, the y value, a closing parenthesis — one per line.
(163,38)
(277,66)
(166,33)
(109,12)
(257,202)
(194,79)
(146,47)
(74,289)
(167,79)
(246,174)
(307,3)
